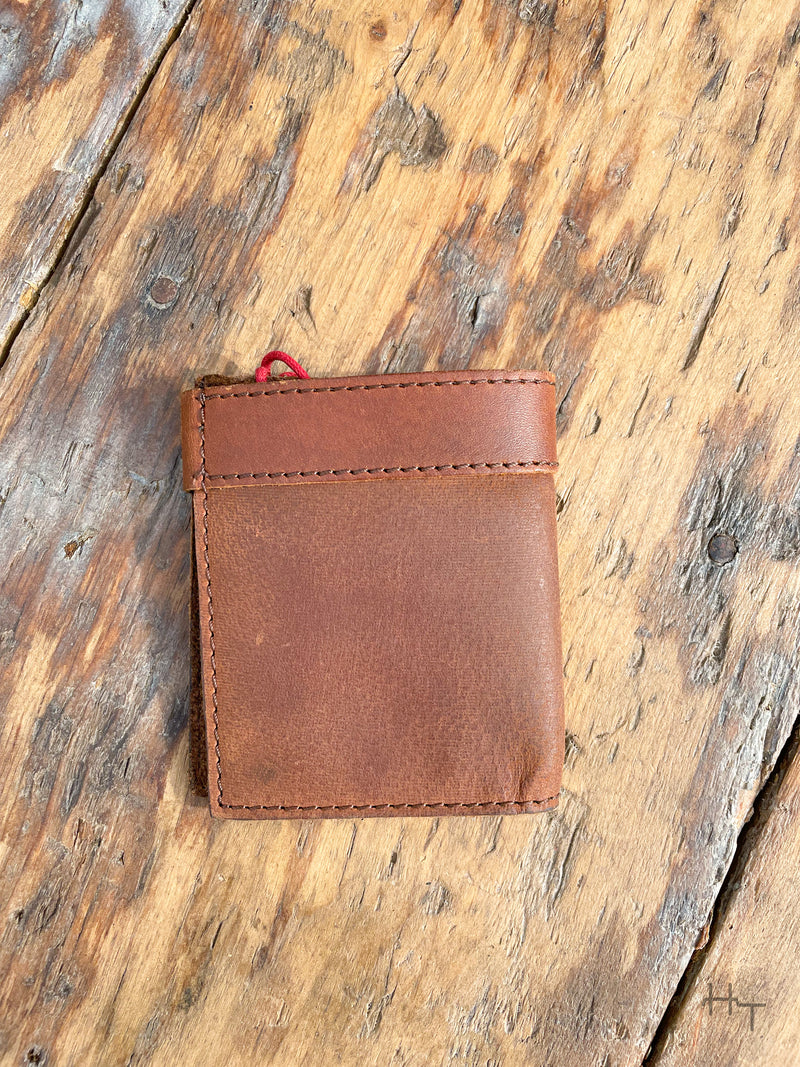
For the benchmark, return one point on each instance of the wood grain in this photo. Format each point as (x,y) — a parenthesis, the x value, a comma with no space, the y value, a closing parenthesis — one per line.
(738,1001)
(606,191)
(70,76)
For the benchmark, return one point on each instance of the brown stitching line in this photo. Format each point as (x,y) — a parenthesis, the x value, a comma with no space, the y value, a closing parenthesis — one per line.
(208,588)
(370,807)
(327,807)
(381,385)
(384,470)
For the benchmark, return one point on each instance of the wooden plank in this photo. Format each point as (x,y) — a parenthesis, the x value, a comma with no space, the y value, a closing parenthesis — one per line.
(70,76)
(739,1000)
(605,191)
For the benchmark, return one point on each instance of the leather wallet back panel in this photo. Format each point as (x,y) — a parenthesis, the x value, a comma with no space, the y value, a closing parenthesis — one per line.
(381,645)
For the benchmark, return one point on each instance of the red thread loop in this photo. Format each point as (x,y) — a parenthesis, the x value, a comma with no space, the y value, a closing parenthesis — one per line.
(264,372)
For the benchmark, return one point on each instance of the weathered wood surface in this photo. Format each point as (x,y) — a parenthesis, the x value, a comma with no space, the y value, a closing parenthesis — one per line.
(70,75)
(749,966)
(605,191)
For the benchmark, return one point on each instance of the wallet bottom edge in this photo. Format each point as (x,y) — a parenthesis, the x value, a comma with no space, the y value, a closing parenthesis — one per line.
(526,807)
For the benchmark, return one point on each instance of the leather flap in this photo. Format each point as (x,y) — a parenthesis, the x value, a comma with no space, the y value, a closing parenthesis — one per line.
(375,426)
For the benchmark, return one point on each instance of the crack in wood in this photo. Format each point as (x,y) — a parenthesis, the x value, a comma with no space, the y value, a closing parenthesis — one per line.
(763,804)
(34,290)
(704,317)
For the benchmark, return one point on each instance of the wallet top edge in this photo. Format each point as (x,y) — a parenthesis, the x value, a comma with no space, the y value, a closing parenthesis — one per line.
(370,426)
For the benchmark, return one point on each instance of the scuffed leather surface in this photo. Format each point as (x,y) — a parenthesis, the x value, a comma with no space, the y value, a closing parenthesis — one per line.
(381,645)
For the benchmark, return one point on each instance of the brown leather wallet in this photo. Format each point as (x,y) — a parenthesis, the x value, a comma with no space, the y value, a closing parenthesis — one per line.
(375,609)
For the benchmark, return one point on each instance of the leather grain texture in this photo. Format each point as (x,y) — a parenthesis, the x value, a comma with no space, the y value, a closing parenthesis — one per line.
(381,636)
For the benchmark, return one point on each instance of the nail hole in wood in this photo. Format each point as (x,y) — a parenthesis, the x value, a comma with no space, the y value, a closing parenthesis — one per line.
(164,291)
(722,549)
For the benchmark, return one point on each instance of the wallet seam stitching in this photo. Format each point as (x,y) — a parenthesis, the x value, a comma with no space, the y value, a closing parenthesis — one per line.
(379,385)
(208,590)
(336,473)
(364,807)
(329,807)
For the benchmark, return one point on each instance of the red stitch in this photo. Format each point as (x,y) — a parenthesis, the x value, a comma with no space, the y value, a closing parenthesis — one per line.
(264,371)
